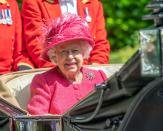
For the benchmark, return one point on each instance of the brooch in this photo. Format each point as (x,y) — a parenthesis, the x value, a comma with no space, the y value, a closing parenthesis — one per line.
(90,75)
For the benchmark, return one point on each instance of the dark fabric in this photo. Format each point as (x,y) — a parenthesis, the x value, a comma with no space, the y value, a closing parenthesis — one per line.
(7,114)
(5,122)
(145,112)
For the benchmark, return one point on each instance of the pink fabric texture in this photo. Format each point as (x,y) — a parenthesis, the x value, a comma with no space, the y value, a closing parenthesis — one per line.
(52,93)
(65,28)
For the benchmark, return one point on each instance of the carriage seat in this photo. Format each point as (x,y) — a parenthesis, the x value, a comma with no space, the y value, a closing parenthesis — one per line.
(18,82)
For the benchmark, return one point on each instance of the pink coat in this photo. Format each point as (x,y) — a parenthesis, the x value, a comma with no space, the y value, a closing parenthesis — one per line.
(52,93)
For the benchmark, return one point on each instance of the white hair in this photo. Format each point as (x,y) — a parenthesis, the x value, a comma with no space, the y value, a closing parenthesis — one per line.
(86,49)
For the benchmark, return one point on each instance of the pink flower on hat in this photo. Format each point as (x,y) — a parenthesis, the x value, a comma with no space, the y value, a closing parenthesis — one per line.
(65,28)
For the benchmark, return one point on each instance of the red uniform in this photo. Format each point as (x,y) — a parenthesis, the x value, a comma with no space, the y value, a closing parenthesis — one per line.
(37,12)
(12,53)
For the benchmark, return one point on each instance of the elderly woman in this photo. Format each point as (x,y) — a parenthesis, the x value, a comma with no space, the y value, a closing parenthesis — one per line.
(67,43)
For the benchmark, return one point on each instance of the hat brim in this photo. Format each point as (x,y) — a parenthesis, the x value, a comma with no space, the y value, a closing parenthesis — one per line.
(44,54)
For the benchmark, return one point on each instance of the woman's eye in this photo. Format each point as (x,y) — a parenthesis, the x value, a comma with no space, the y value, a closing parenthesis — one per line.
(75,51)
(63,52)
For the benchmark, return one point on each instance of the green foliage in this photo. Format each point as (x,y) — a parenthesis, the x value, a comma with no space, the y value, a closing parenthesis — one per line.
(120,56)
(19,3)
(123,20)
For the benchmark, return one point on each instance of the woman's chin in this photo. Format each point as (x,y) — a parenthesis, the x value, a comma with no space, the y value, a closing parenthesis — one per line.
(72,70)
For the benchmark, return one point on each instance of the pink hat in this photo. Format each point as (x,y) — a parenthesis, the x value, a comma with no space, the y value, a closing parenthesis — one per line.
(65,28)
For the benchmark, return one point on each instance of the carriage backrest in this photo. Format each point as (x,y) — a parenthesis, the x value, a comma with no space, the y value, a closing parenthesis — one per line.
(18,82)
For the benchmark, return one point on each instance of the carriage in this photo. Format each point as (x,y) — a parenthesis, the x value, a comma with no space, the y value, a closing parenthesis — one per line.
(131,99)
(126,101)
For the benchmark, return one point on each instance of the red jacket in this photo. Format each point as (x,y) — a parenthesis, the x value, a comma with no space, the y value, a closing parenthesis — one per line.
(12,52)
(37,12)
(52,93)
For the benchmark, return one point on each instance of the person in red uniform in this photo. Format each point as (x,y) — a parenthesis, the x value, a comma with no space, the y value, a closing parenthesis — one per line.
(13,56)
(35,13)
(67,42)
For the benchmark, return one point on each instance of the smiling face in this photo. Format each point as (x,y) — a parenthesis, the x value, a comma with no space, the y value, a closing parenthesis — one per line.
(69,57)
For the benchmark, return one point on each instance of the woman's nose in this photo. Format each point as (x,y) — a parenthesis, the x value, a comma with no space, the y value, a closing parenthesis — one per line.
(70,54)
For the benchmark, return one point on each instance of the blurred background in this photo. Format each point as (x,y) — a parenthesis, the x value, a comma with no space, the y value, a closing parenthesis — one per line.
(123,21)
